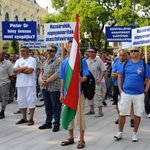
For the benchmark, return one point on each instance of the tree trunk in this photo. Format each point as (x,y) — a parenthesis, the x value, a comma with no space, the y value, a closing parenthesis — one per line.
(92,37)
(99,36)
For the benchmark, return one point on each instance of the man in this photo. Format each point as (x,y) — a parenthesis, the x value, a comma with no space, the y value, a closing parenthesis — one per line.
(133,91)
(97,68)
(12,82)
(64,54)
(6,73)
(50,85)
(115,69)
(86,55)
(107,63)
(128,57)
(25,68)
(17,56)
(62,75)
(7,56)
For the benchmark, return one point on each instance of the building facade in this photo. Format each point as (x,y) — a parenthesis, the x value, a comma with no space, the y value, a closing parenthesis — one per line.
(21,10)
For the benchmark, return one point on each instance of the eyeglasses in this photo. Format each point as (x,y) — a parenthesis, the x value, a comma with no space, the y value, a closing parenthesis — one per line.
(86,54)
(50,50)
(134,51)
(91,51)
(22,50)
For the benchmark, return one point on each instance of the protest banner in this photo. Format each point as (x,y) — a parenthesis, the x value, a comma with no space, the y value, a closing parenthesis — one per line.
(38,44)
(59,32)
(119,33)
(19,31)
(126,45)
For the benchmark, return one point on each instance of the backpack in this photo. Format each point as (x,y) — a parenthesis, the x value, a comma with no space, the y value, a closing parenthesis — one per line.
(88,86)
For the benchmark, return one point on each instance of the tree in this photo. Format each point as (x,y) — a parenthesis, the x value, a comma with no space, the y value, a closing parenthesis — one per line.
(13,47)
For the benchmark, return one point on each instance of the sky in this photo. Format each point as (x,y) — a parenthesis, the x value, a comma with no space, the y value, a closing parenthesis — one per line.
(44,3)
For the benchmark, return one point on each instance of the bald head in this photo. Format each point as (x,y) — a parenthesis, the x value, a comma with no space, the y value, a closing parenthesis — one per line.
(135,48)
(2,55)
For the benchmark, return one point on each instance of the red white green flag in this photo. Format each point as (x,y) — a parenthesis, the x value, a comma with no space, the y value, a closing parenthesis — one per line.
(72,81)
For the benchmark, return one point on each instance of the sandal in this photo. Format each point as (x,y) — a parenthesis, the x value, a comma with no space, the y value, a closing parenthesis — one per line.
(30,122)
(81,146)
(67,142)
(21,121)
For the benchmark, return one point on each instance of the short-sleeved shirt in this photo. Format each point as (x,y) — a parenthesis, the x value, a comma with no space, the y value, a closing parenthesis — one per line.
(116,68)
(49,68)
(96,67)
(24,80)
(134,77)
(108,62)
(63,71)
(116,60)
(6,70)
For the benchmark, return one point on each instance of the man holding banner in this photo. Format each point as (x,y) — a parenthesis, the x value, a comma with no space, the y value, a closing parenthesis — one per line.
(135,72)
(70,80)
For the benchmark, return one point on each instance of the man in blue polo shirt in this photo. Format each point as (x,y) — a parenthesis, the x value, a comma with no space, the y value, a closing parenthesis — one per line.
(133,91)
(62,75)
(115,69)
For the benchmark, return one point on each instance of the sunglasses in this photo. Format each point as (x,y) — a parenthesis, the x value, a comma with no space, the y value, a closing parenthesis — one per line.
(91,51)
(134,51)
(50,50)
(86,54)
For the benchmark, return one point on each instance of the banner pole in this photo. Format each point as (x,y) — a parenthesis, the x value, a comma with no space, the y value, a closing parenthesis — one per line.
(80,112)
(146,54)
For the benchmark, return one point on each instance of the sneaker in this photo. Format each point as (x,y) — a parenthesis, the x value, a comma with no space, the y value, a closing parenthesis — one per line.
(45,126)
(99,114)
(148,115)
(104,103)
(111,99)
(56,128)
(117,121)
(132,123)
(118,136)
(2,115)
(90,113)
(134,137)
(17,112)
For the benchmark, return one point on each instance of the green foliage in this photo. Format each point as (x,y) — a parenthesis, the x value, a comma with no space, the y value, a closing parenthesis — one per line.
(13,47)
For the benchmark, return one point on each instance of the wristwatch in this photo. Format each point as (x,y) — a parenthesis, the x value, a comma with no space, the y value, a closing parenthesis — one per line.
(120,90)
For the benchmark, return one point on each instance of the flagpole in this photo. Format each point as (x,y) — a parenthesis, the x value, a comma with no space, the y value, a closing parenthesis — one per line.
(80,112)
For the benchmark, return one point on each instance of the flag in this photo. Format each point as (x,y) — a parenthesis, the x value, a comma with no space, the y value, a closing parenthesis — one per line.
(72,81)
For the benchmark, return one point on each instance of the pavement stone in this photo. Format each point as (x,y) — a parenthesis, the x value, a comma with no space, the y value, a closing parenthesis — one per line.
(99,134)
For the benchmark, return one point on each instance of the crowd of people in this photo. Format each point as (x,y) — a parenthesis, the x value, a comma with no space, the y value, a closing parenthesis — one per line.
(125,80)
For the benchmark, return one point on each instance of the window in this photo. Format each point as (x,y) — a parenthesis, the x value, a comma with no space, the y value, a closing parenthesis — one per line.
(16,18)
(115,43)
(38,29)
(24,19)
(6,17)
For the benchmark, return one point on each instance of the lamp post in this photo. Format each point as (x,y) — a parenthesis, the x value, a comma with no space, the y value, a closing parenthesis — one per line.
(86,36)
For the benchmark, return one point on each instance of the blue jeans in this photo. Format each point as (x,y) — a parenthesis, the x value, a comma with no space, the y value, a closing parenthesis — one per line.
(52,106)
(108,88)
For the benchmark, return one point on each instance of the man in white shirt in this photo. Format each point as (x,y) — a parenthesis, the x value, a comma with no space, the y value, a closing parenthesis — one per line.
(25,68)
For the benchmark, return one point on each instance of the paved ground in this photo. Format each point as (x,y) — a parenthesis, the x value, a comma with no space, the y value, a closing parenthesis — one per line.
(98,136)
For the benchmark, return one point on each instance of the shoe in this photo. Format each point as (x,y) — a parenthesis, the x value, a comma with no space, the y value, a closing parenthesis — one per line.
(2,115)
(148,115)
(9,102)
(99,114)
(45,126)
(134,137)
(56,128)
(113,103)
(117,121)
(104,103)
(17,112)
(111,99)
(132,123)
(41,100)
(90,113)
(118,136)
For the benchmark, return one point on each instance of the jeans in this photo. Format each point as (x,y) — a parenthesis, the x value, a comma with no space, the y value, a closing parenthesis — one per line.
(52,106)
(108,88)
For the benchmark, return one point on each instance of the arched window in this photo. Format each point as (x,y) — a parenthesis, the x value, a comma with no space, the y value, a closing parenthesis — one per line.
(38,29)
(6,17)
(24,19)
(16,18)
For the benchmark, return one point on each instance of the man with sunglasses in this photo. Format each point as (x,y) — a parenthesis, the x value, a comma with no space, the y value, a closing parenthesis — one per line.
(50,85)
(97,68)
(133,91)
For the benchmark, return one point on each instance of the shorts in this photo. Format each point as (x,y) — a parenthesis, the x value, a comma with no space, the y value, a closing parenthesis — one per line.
(103,87)
(115,95)
(97,100)
(126,102)
(4,94)
(26,97)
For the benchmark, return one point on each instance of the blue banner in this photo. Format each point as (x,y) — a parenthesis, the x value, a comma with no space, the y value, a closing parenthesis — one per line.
(119,33)
(19,31)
